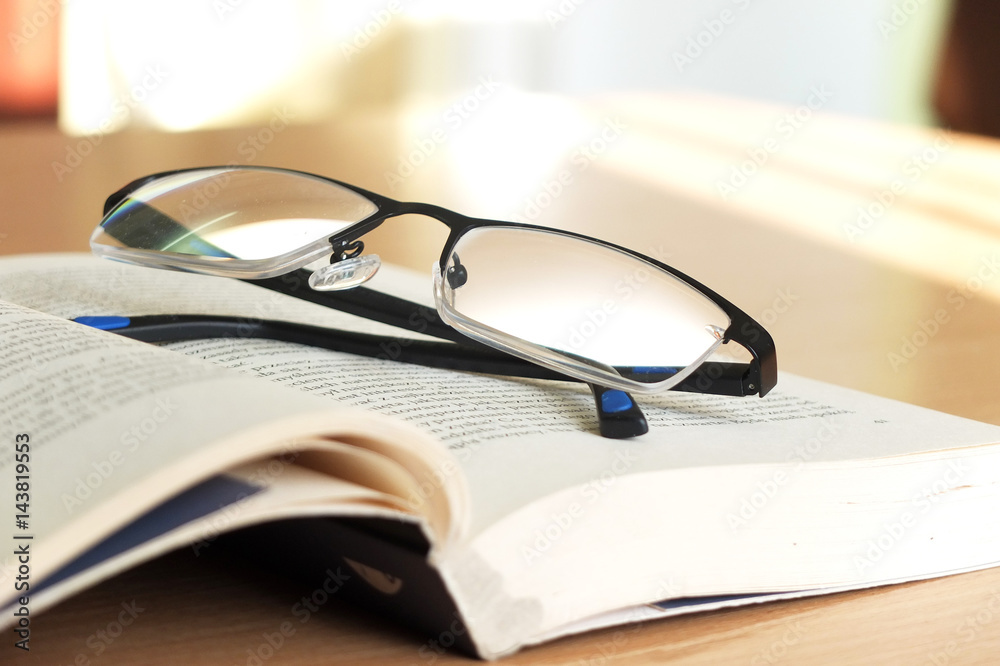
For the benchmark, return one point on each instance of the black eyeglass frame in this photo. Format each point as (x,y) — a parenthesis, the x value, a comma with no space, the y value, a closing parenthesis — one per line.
(760,375)
(714,377)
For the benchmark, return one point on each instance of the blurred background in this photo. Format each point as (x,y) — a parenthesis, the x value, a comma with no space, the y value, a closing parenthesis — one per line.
(822,164)
(104,65)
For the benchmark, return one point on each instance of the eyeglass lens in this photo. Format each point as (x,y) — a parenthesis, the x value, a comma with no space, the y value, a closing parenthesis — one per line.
(582,299)
(248,214)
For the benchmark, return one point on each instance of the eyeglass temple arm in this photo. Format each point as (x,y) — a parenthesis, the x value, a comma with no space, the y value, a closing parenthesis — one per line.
(618,414)
(718,378)
(370,304)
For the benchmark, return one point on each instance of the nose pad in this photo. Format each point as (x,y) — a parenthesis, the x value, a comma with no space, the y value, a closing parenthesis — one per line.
(345,274)
(457,275)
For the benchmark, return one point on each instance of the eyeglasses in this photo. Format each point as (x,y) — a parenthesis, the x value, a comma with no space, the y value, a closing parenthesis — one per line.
(579,307)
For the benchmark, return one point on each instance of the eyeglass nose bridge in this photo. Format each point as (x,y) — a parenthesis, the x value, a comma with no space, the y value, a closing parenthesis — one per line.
(345,240)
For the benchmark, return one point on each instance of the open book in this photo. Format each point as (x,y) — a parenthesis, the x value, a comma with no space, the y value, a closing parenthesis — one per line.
(487,510)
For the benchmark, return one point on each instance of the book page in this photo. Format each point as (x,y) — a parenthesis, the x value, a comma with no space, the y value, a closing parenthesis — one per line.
(74,285)
(515,439)
(261,490)
(103,428)
(518,439)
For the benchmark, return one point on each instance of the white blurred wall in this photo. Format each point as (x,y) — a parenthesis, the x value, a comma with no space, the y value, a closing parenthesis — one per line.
(187,64)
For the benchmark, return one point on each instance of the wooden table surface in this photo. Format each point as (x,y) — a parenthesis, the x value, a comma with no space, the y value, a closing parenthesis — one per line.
(850,240)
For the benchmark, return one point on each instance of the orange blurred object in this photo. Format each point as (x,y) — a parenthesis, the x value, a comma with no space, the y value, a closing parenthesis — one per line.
(29,62)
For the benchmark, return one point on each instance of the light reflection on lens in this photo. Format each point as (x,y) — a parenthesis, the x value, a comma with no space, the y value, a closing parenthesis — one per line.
(248,214)
(584,300)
